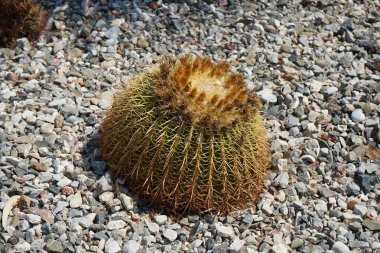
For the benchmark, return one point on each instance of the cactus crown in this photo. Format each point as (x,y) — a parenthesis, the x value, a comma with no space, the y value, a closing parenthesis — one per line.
(202,92)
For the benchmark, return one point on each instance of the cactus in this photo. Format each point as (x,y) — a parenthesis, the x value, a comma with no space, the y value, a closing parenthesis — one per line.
(187,135)
(20,18)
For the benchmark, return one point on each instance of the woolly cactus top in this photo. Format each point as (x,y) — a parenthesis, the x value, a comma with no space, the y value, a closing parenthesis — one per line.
(203,92)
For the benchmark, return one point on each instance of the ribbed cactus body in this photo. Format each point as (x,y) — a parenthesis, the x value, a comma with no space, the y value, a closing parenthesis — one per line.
(183,149)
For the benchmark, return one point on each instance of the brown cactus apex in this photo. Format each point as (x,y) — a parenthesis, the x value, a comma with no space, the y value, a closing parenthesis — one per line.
(187,135)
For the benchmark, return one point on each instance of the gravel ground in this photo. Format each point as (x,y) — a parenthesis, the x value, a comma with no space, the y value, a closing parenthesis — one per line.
(316,65)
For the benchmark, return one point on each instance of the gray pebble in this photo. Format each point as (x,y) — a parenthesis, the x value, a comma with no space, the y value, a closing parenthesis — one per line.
(282,179)
(160,219)
(76,200)
(296,243)
(54,246)
(116,224)
(170,234)
(224,231)
(360,210)
(112,246)
(33,219)
(236,245)
(131,247)
(357,116)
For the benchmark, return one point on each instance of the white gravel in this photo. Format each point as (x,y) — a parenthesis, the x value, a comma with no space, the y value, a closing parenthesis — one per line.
(316,66)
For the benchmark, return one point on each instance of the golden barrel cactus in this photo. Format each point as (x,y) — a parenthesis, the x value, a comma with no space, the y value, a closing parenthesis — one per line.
(187,135)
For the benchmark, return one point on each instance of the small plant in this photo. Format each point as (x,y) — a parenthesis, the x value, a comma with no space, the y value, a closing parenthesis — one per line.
(187,135)
(20,18)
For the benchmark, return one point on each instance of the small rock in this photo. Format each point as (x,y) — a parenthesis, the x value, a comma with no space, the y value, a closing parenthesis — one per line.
(54,246)
(160,219)
(371,214)
(287,48)
(46,215)
(152,227)
(221,248)
(99,167)
(267,208)
(60,206)
(197,228)
(103,186)
(196,244)
(315,86)
(75,52)
(170,234)
(39,167)
(76,200)
(142,43)
(267,95)
(105,100)
(360,210)
(352,189)
(22,247)
(210,243)
(279,248)
(127,201)
(100,218)
(373,225)
(106,196)
(326,192)
(296,243)
(116,224)
(248,219)
(280,196)
(279,146)
(138,227)
(59,120)
(224,231)
(86,221)
(67,190)
(291,121)
(359,244)
(375,245)
(112,33)
(236,245)
(364,181)
(59,45)
(112,246)
(352,156)
(34,219)
(355,226)
(340,247)
(282,180)
(369,167)
(104,104)
(24,139)
(64,182)
(358,116)
(349,36)
(131,247)
(118,22)
(273,58)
